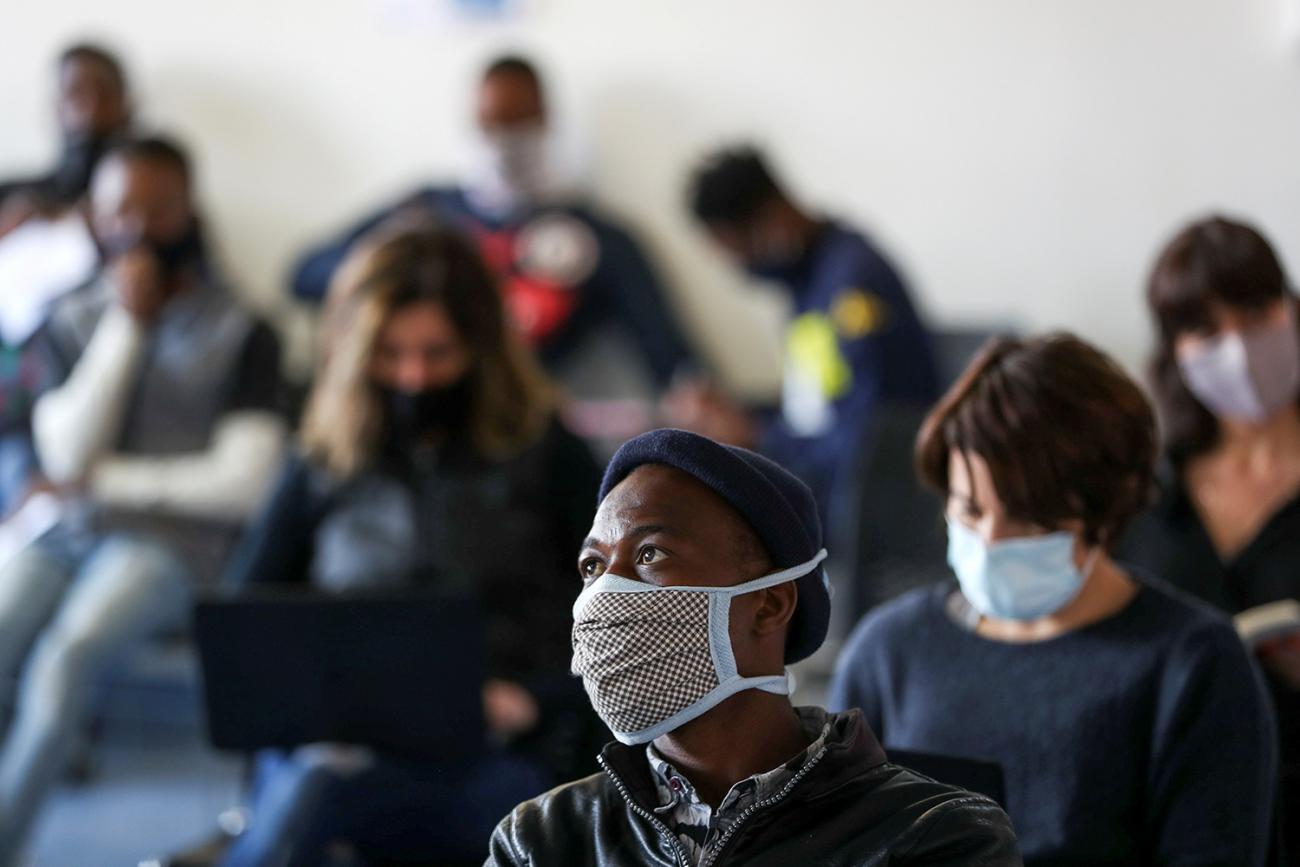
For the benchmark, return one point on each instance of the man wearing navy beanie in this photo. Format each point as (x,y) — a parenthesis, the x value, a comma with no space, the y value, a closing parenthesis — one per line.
(702,580)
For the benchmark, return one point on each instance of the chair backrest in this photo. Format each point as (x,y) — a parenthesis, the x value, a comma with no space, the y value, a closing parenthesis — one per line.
(894,537)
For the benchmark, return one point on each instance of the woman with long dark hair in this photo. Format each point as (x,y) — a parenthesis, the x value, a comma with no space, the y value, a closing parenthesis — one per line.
(1226,376)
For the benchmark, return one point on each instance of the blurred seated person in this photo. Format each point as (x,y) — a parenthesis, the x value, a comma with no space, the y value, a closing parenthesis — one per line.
(430,458)
(1226,376)
(566,271)
(93,111)
(159,436)
(1130,725)
(854,344)
(702,579)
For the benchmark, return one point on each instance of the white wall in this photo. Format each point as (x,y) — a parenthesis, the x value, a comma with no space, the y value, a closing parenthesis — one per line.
(1022,159)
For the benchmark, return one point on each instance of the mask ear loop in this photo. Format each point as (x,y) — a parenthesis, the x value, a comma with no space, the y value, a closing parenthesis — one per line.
(1090,564)
(724,659)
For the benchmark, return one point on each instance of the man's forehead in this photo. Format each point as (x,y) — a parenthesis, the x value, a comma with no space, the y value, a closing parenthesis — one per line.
(666,497)
(656,488)
(117,175)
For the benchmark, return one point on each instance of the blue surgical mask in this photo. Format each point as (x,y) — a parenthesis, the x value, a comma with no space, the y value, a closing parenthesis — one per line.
(1016,579)
(654,658)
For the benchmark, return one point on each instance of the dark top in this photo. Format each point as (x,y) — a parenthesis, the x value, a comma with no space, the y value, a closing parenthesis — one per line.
(504,532)
(565,271)
(66,181)
(203,359)
(856,342)
(1142,739)
(1169,539)
(847,807)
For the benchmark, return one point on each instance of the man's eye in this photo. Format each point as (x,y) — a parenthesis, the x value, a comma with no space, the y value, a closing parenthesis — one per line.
(649,554)
(592,568)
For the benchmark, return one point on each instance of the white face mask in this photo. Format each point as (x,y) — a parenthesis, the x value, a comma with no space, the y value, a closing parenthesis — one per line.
(655,658)
(1247,375)
(510,171)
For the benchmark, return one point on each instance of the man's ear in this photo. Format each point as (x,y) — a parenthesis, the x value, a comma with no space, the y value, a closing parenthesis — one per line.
(776,608)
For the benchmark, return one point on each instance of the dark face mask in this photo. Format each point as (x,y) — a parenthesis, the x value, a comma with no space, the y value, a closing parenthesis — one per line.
(778,258)
(415,414)
(180,252)
(172,255)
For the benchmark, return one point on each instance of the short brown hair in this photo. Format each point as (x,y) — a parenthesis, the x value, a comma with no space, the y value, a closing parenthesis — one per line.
(512,401)
(1213,261)
(1067,435)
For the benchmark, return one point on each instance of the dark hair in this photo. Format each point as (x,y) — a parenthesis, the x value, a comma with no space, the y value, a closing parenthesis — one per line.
(86,51)
(154,149)
(1066,434)
(731,186)
(514,64)
(1211,261)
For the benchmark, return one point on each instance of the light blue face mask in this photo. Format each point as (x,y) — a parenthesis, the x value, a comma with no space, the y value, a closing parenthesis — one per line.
(654,658)
(1016,579)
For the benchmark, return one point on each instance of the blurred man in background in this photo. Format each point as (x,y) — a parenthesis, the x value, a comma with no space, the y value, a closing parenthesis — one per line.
(160,438)
(854,346)
(46,249)
(93,110)
(565,271)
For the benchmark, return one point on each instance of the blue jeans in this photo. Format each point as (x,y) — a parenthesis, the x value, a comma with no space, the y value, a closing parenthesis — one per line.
(78,608)
(302,808)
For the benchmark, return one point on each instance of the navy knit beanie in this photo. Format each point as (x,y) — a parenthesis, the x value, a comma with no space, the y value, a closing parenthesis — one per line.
(770,498)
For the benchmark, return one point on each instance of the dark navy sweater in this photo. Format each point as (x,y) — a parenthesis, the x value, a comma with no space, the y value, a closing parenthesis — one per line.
(877,353)
(1145,738)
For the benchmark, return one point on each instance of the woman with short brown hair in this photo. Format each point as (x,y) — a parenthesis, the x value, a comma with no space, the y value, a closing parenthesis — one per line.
(1226,376)
(1128,723)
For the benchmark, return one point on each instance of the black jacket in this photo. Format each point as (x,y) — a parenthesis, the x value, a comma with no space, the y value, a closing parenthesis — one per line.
(849,807)
(505,531)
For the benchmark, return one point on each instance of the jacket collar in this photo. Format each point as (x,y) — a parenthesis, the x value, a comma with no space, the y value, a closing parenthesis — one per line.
(851,750)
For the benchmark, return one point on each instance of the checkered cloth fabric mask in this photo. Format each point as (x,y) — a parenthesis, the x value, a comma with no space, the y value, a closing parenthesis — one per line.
(654,658)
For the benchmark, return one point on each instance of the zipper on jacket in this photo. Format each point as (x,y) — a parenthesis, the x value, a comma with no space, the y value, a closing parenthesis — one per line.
(712,854)
(683,859)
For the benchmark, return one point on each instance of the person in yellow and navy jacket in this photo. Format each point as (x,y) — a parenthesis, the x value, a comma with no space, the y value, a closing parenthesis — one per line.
(855,342)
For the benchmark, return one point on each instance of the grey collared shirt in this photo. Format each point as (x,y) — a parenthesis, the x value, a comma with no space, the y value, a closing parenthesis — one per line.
(696,824)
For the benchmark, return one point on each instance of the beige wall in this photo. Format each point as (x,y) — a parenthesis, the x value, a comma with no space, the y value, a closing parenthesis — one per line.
(1021,158)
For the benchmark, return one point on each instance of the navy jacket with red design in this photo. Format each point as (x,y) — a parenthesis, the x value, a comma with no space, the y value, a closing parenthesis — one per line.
(565,271)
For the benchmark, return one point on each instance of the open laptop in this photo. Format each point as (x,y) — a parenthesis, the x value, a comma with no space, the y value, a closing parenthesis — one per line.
(398,672)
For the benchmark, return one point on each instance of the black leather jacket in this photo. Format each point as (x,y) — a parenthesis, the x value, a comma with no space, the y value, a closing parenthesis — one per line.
(848,807)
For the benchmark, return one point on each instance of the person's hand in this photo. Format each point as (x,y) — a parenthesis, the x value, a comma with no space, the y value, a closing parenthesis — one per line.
(701,408)
(1282,658)
(510,709)
(141,289)
(42,485)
